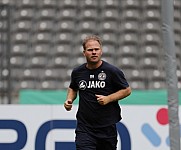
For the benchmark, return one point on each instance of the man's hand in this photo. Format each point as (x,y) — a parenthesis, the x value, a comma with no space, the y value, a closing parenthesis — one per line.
(68,104)
(103,100)
(121,94)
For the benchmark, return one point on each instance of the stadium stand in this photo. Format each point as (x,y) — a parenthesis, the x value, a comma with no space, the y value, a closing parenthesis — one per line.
(46,40)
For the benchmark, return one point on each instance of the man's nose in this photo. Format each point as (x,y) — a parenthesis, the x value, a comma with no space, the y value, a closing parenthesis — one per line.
(93,51)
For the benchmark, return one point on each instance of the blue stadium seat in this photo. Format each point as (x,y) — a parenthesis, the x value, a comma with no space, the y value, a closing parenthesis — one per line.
(109,4)
(150,51)
(151,27)
(66,13)
(1,50)
(51,73)
(151,4)
(44,26)
(77,61)
(178,72)
(89,14)
(86,26)
(109,38)
(131,14)
(128,51)
(47,3)
(22,25)
(109,49)
(67,3)
(156,78)
(138,75)
(15,86)
(147,63)
(19,49)
(177,26)
(36,62)
(137,85)
(65,25)
(4,38)
(152,14)
(88,4)
(47,85)
(26,84)
(20,37)
(59,61)
(129,38)
(3,25)
(129,26)
(157,85)
(63,84)
(109,14)
(24,13)
(177,15)
(178,62)
(109,59)
(17,74)
(42,37)
(62,50)
(109,26)
(177,4)
(177,37)
(151,39)
(155,74)
(178,50)
(46,13)
(30,74)
(130,4)
(17,61)
(6,2)
(63,37)
(25,3)
(127,62)
(135,77)
(40,49)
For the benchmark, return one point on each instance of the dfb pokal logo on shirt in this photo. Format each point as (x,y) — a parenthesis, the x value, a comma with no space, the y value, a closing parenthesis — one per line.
(102,76)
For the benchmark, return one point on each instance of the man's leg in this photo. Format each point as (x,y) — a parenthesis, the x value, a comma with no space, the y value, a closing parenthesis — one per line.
(85,141)
(107,138)
(107,144)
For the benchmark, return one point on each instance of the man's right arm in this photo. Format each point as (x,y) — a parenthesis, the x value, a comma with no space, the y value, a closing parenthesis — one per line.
(71,96)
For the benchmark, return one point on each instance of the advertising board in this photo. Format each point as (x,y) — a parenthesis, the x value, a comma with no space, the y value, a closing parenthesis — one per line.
(50,127)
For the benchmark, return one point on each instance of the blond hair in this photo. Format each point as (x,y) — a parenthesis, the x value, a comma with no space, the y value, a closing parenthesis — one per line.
(91,37)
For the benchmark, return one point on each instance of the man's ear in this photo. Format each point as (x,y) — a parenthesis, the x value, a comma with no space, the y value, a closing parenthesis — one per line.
(83,52)
(101,52)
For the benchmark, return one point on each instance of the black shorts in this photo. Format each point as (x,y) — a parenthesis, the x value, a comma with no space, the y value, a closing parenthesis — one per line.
(96,138)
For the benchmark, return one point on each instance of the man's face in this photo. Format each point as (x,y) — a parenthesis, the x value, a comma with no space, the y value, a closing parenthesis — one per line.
(93,51)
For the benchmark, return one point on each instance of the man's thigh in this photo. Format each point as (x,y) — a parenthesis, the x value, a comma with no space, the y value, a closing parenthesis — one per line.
(85,141)
(107,144)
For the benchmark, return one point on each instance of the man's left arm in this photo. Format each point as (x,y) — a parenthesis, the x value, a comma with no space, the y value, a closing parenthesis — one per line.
(103,100)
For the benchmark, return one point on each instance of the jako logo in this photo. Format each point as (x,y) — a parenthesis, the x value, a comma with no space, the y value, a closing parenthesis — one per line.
(151,134)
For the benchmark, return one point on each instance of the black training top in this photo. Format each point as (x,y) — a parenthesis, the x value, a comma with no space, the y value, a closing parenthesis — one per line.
(104,80)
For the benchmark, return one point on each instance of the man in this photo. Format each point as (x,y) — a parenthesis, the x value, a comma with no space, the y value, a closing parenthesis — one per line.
(100,86)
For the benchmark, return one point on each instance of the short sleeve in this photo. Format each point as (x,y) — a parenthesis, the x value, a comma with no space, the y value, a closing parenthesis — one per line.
(119,79)
(73,85)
